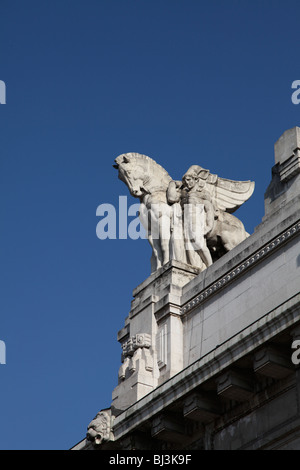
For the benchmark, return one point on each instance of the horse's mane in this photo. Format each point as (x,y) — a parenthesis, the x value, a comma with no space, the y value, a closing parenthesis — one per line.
(139,158)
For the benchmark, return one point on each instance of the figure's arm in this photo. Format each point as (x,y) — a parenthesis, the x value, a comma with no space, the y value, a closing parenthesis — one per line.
(209,210)
(173,192)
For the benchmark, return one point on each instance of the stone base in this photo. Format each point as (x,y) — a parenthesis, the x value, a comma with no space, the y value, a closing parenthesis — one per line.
(152,337)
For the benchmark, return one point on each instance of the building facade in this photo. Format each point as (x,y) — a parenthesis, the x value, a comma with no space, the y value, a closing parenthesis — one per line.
(209,359)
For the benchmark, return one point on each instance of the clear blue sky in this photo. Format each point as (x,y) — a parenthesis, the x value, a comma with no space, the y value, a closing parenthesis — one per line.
(185,82)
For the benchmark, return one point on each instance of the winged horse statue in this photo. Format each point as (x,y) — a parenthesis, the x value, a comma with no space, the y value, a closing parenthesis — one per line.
(163,214)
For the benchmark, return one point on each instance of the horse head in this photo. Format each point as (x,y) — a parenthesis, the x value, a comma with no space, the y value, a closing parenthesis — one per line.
(140,173)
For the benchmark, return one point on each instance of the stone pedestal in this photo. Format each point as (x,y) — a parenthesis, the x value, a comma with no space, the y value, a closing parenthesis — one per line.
(152,338)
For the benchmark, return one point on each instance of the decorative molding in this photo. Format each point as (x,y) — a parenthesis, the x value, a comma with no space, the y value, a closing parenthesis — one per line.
(136,355)
(241,268)
(140,340)
(291,167)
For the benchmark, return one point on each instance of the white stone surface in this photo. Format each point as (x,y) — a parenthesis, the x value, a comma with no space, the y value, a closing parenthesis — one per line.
(260,290)
(286,145)
(284,189)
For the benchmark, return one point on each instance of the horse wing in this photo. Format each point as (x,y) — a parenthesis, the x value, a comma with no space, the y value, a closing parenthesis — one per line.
(228,195)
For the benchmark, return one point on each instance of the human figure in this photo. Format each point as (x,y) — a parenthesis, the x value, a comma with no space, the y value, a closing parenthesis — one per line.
(198,215)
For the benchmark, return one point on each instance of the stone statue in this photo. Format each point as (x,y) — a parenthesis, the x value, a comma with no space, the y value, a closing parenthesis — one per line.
(189,220)
(99,429)
(198,217)
(149,182)
(221,231)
